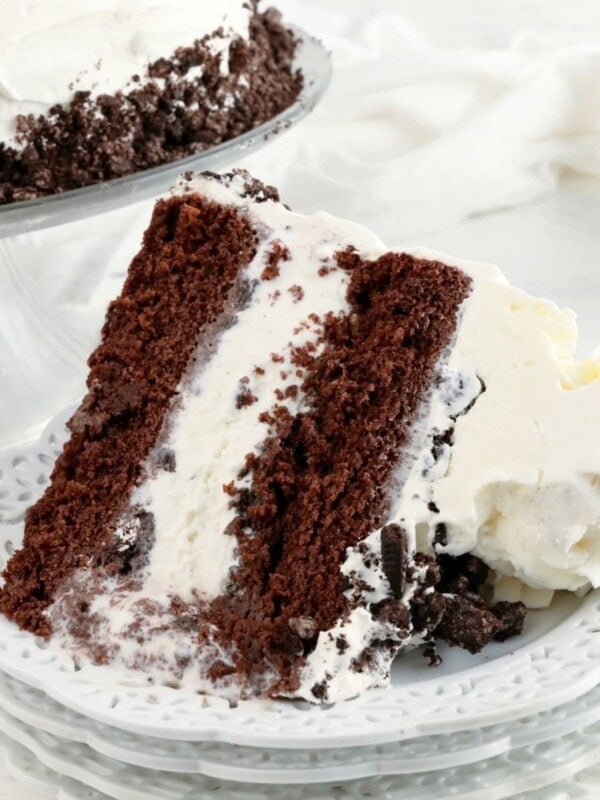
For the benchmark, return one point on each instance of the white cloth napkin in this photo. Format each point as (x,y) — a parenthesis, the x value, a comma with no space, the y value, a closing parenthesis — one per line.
(416,133)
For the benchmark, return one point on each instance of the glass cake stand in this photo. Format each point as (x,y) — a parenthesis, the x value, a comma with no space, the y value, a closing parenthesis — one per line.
(42,351)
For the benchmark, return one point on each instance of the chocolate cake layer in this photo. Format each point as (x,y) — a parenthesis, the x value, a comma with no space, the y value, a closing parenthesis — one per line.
(184,279)
(185,104)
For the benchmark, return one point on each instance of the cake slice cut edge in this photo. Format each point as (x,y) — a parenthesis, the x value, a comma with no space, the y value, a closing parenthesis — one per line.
(260,492)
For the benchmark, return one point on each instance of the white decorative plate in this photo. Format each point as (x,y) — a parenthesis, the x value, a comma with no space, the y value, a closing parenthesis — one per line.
(501,777)
(556,660)
(249,765)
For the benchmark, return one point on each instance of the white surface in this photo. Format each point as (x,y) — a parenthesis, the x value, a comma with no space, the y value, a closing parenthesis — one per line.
(548,246)
(33,775)
(420,135)
(48,51)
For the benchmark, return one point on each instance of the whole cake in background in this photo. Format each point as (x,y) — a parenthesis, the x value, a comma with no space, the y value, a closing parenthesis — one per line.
(301,453)
(98,90)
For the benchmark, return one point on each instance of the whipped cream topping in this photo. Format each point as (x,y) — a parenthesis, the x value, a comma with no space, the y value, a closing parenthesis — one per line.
(48,51)
(518,483)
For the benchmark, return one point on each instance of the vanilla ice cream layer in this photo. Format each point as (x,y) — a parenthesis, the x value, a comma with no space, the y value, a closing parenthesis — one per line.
(49,50)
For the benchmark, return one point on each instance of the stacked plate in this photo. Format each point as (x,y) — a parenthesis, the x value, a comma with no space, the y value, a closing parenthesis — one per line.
(519,721)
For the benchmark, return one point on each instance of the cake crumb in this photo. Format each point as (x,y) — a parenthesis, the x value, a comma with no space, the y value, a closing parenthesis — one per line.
(297,292)
(245,397)
(278,253)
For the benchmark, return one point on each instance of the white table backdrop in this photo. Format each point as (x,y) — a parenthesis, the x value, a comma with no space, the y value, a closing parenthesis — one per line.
(470,126)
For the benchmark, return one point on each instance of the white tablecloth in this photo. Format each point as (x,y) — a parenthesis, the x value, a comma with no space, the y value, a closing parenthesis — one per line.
(470,126)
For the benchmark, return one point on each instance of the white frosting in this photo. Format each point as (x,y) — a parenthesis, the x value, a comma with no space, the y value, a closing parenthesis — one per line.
(48,50)
(517,483)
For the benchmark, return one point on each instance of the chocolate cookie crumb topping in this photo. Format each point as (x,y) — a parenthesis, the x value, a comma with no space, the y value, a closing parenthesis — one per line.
(172,113)
(394,558)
